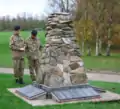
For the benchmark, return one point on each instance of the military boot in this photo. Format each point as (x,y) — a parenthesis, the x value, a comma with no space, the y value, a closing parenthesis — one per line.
(17,81)
(21,81)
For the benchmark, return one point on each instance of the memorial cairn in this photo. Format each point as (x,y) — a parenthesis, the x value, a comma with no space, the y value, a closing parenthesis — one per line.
(60,62)
(62,76)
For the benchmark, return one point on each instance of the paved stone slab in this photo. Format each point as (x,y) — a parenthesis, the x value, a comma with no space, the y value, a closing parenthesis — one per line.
(91,76)
(108,96)
(104,77)
(10,70)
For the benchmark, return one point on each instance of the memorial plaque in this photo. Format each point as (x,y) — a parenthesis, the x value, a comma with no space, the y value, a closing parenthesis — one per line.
(75,93)
(66,40)
(30,92)
(61,94)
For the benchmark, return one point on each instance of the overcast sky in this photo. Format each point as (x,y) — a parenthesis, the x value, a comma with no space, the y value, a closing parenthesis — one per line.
(13,7)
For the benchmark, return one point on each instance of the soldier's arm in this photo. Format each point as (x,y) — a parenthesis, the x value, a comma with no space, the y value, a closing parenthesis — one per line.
(12,45)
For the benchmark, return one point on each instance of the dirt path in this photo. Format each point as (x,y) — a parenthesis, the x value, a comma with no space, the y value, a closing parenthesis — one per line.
(91,76)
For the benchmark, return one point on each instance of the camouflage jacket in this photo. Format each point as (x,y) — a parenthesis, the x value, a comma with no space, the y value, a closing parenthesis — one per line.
(16,42)
(33,47)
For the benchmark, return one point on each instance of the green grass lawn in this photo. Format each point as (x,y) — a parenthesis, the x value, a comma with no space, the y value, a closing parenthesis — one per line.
(103,62)
(93,62)
(9,101)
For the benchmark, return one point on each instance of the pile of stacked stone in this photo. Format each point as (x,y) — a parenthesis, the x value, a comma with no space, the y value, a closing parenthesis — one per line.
(60,62)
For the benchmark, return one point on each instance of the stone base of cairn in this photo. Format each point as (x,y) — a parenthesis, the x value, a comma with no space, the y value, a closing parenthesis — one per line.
(60,61)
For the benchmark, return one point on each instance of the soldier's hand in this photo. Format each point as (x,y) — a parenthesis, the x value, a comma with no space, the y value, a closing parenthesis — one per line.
(22,49)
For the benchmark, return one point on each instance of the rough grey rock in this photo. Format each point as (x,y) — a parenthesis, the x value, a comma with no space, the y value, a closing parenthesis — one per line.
(53,61)
(56,81)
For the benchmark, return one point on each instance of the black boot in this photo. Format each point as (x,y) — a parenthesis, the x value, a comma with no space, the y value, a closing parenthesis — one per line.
(17,81)
(21,81)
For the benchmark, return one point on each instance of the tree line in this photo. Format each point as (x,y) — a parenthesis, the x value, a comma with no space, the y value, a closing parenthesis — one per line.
(27,23)
(96,22)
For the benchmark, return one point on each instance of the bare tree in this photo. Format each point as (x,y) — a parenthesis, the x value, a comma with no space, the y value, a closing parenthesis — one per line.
(98,18)
(83,24)
(110,23)
(61,5)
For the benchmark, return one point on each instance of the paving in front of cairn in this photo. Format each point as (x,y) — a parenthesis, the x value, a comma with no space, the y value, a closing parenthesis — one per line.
(91,76)
(105,97)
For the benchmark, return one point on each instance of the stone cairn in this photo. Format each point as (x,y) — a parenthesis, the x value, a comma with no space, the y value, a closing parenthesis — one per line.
(60,62)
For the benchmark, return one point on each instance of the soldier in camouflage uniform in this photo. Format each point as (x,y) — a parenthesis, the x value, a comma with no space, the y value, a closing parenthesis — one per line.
(33,47)
(17,47)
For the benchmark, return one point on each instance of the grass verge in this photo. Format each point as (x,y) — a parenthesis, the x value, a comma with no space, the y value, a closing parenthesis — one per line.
(9,101)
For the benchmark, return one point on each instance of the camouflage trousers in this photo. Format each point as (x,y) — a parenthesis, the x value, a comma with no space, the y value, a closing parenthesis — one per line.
(33,68)
(18,65)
